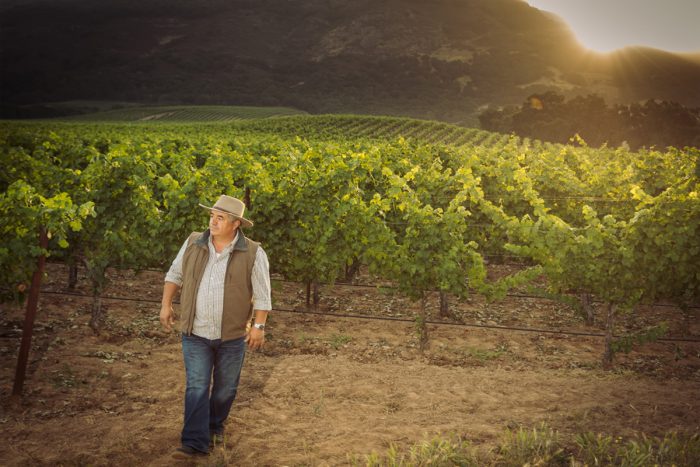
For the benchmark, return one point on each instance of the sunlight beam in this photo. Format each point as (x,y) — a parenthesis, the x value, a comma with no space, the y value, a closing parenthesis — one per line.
(604,26)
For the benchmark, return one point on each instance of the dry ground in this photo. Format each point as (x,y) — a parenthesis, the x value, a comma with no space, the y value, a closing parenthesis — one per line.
(326,388)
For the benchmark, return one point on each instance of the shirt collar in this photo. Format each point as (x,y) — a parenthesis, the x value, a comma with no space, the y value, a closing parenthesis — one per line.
(227,248)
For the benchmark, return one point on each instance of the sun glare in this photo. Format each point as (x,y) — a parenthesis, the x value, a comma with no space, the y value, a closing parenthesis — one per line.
(605,26)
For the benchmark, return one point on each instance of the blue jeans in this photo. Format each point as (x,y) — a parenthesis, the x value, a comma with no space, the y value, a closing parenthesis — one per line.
(207,405)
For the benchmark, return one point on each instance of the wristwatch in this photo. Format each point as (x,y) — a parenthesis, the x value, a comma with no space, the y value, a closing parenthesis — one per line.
(259,326)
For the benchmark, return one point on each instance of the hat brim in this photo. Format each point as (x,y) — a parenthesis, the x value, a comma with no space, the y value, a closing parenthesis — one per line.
(244,222)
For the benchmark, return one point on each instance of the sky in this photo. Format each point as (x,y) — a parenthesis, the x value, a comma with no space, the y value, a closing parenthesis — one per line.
(606,25)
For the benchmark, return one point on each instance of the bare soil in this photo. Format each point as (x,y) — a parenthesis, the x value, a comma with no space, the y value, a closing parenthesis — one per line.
(327,388)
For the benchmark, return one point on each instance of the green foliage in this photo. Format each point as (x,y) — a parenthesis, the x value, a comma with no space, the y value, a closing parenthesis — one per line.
(420,328)
(119,182)
(572,301)
(643,249)
(627,343)
(549,117)
(499,288)
(623,227)
(338,340)
(432,245)
(664,232)
(313,208)
(483,355)
(23,212)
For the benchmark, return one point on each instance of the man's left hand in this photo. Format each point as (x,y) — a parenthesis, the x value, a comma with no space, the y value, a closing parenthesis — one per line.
(255,338)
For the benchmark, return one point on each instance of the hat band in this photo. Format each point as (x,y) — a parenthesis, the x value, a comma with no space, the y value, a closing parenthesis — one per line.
(226,211)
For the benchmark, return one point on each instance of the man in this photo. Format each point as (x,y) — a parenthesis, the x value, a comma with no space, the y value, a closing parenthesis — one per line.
(224,279)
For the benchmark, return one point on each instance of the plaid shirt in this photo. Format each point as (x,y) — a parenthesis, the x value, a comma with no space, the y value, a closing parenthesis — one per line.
(210,297)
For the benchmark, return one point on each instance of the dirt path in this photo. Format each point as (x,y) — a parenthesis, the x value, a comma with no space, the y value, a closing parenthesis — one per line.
(322,409)
(325,388)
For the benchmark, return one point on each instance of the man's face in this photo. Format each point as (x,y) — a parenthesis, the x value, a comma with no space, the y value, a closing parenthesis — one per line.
(220,224)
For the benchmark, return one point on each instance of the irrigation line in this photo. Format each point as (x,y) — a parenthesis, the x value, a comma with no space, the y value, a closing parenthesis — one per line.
(393,287)
(104,297)
(511,295)
(468,325)
(394,318)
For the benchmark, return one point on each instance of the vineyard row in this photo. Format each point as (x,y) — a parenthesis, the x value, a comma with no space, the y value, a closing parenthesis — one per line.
(422,216)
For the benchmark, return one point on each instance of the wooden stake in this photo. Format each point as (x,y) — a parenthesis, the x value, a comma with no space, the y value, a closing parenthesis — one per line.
(29,316)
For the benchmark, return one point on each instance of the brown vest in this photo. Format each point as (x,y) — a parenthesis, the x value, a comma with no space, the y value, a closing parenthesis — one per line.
(238,288)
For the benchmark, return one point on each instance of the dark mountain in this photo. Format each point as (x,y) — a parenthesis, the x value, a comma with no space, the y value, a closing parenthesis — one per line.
(441,59)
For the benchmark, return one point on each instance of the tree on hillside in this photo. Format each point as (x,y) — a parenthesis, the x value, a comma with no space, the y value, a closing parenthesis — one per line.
(549,117)
(661,123)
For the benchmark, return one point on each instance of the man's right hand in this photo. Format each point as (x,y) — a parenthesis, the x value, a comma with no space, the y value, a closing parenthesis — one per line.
(167,317)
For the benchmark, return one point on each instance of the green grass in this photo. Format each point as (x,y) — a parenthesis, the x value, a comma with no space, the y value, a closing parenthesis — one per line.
(539,446)
(484,355)
(435,452)
(338,340)
(542,446)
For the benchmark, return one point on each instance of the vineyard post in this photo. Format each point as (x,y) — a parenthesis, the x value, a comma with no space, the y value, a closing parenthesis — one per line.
(422,323)
(313,295)
(587,307)
(687,316)
(308,295)
(72,271)
(609,333)
(30,314)
(444,305)
(316,293)
(246,199)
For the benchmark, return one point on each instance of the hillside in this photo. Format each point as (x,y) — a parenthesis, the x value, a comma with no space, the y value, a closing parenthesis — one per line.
(438,59)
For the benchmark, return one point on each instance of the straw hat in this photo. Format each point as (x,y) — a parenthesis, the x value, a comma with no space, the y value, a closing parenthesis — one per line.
(233,206)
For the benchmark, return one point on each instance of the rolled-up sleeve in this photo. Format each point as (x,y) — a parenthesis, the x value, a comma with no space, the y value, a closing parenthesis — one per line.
(260,277)
(174,274)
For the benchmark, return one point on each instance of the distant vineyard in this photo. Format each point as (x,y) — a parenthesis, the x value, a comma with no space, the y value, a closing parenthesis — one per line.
(383,128)
(291,122)
(183,113)
(355,127)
